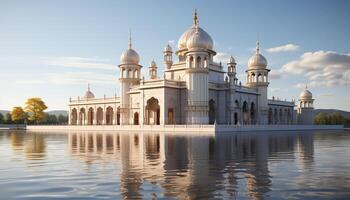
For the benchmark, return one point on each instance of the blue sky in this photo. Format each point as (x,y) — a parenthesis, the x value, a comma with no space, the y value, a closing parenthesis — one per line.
(52,49)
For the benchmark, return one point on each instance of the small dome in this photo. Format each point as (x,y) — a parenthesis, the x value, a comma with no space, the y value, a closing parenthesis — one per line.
(89,94)
(168,48)
(130,56)
(231,60)
(305,94)
(153,64)
(257,61)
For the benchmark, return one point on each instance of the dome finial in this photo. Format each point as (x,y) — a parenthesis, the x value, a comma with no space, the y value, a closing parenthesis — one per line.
(257,46)
(88,86)
(305,86)
(130,44)
(195,18)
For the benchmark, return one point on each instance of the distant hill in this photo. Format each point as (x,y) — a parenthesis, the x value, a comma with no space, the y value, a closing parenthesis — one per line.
(58,112)
(52,112)
(330,111)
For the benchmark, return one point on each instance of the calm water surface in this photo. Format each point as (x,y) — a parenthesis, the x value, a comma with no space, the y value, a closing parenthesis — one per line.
(283,165)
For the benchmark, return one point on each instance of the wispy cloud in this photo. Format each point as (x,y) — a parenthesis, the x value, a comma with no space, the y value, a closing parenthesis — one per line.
(283,48)
(326,95)
(221,57)
(321,68)
(276,74)
(171,42)
(79,62)
(81,78)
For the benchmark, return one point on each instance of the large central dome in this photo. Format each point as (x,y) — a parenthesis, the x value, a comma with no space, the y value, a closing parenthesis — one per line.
(204,36)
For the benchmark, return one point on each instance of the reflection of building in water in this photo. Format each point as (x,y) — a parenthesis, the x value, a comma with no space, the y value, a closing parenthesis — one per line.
(305,149)
(190,167)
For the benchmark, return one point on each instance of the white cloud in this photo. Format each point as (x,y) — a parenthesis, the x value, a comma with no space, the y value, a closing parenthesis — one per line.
(283,48)
(79,62)
(171,42)
(221,57)
(275,74)
(321,68)
(326,95)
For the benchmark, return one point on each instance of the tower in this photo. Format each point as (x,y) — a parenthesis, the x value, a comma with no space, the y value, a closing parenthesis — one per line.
(306,107)
(198,54)
(257,77)
(153,70)
(231,71)
(168,56)
(130,73)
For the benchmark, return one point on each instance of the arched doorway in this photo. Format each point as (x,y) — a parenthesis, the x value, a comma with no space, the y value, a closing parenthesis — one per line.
(211,111)
(73,117)
(270,116)
(118,116)
(90,116)
(136,118)
(82,116)
(245,113)
(280,119)
(99,116)
(170,116)
(275,116)
(236,118)
(252,113)
(289,117)
(109,115)
(153,111)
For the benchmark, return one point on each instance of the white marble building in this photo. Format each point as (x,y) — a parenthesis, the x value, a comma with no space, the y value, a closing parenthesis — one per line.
(193,90)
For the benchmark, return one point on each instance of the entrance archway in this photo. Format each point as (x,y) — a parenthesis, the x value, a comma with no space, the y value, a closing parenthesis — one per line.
(236,118)
(245,113)
(171,116)
(153,111)
(109,115)
(90,116)
(136,118)
(252,113)
(99,116)
(74,117)
(270,116)
(82,116)
(211,111)
(118,116)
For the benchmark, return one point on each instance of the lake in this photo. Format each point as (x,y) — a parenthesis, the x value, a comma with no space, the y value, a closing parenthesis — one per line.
(95,165)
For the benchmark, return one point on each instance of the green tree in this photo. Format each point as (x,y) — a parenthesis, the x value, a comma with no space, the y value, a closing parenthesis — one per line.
(35,108)
(2,119)
(8,119)
(18,115)
(50,119)
(320,118)
(62,119)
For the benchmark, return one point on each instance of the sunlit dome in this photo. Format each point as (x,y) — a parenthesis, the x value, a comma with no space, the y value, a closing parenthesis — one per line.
(89,94)
(305,94)
(130,56)
(257,61)
(202,39)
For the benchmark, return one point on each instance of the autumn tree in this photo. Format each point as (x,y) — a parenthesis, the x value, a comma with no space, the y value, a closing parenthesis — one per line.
(18,115)
(35,108)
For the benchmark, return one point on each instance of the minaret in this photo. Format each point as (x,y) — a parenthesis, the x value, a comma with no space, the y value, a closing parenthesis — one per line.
(257,77)
(168,56)
(198,57)
(153,70)
(130,74)
(231,71)
(306,107)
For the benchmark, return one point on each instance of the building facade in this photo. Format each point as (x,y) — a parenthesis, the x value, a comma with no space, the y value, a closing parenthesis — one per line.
(192,90)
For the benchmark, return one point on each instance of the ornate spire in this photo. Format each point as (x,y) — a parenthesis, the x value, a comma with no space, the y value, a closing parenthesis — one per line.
(306,86)
(130,44)
(195,20)
(257,47)
(89,87)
